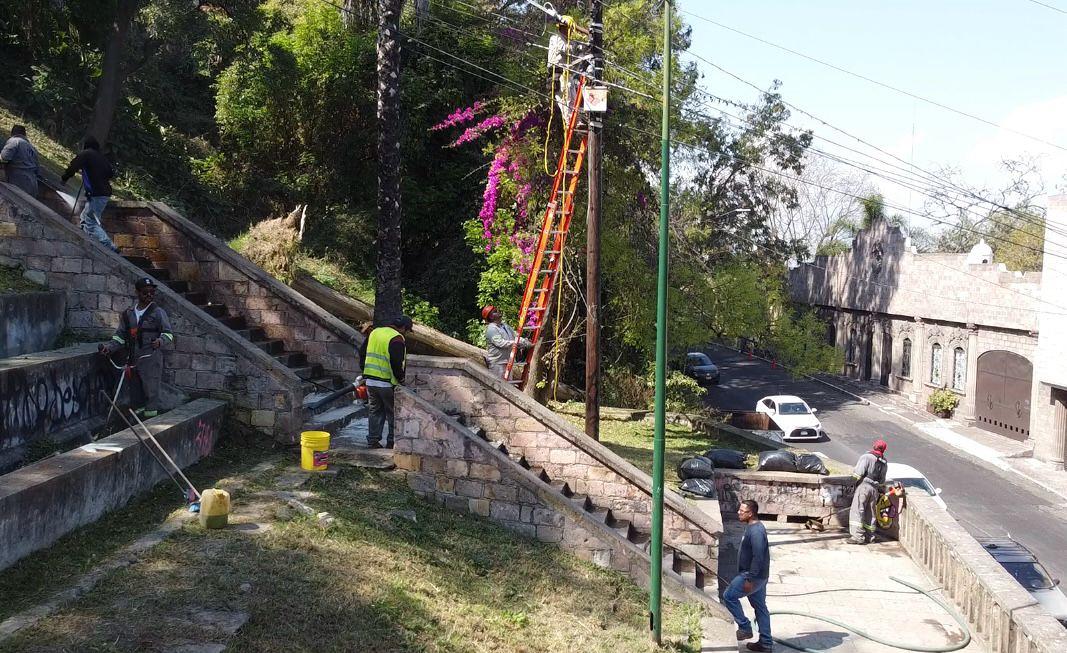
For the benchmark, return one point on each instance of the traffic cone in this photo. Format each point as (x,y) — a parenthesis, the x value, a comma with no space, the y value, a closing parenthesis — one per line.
(774,363)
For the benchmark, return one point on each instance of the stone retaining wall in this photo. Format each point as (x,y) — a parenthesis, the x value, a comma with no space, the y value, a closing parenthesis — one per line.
(785,494)
(155,231)
(42,502)
(207,358)
(54,395)
(546,440)
(30,321)
(1002,615)
(445,462)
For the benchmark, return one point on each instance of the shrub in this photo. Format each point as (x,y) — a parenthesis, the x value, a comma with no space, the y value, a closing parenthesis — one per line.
(684,395)
(624,389)
(943,401)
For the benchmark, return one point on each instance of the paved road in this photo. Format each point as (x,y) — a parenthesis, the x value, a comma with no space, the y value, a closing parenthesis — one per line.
(984,502)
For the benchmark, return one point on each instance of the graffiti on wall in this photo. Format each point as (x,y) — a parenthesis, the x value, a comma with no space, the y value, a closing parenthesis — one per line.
(205,437)
(36,401)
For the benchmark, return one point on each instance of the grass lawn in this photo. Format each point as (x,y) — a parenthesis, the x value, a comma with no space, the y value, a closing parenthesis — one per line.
(633,441)
(373,582)
(12,281)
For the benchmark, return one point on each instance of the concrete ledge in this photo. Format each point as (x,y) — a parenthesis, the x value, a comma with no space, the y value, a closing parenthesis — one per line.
(43,502)
(1000,612)
(786,494)
(54,394)
(31,321)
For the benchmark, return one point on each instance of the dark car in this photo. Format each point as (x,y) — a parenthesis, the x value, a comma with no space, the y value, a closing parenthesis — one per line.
(1018,561)
(700,368)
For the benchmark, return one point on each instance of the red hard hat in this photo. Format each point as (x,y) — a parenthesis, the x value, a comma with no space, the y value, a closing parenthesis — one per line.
(486,311)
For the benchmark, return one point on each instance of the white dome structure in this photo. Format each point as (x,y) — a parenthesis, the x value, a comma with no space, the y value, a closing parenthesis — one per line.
(980,254)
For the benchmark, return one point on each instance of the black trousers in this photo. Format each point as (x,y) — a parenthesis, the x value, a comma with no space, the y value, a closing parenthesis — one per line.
(379,411)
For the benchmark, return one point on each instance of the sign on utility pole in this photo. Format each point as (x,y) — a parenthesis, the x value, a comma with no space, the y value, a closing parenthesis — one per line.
(595,106)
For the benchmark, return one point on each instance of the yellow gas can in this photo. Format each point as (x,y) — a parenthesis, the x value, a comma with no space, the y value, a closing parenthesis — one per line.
(214,508)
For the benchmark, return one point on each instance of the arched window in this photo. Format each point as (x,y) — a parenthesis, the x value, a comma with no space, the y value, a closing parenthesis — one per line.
(959,369)
(850,347)
(935,365)
(905,359)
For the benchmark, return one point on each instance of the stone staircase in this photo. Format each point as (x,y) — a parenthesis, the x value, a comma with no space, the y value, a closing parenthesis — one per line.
(693,575)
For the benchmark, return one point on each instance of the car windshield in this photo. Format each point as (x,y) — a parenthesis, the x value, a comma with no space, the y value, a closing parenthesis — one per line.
(792,409)
(917,483)
(698,359)
(1029,575)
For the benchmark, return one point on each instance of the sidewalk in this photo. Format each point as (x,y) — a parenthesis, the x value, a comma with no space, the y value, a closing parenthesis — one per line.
(1010,456)
(818,573)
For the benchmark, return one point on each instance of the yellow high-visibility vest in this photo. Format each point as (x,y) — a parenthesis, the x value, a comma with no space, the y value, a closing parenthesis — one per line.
(377,365)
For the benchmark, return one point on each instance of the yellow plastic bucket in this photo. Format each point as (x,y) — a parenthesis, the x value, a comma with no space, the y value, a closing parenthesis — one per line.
(214,508)
(314,450)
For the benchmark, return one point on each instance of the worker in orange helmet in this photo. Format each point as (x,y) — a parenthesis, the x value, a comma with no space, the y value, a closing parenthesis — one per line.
(499,340)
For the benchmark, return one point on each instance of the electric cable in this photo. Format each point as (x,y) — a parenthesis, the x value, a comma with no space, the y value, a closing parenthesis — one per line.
(1048,6)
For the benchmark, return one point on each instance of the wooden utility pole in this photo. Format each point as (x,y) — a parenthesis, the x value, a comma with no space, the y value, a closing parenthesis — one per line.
(387,303)
(592,230)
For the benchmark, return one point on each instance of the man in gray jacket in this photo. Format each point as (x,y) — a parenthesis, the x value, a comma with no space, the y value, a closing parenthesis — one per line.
(499,339)
(19,156)
(870,475)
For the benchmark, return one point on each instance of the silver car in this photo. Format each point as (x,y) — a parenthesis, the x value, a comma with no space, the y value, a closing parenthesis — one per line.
(1024,567)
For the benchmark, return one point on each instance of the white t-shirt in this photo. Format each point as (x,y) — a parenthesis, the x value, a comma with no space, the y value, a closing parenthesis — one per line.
(138,312)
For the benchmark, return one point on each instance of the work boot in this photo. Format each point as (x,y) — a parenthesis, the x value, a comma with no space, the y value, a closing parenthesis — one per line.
(742,635)
(374,445)
(756,646)
(853,540)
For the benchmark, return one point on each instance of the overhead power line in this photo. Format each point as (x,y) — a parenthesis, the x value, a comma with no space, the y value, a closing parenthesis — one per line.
(1048,6)
(878,83)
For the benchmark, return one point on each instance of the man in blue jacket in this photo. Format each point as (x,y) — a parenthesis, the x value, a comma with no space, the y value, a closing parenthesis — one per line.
(753,571)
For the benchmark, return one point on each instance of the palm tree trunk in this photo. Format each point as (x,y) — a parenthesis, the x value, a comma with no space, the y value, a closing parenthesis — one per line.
(387,302)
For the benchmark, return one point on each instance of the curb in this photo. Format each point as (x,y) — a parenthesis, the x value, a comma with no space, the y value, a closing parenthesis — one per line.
(862,400)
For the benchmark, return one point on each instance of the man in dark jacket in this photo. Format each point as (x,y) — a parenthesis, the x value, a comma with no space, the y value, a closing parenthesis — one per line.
(142,332)
(96,175)
(753,571)
(383,357)
(20,158)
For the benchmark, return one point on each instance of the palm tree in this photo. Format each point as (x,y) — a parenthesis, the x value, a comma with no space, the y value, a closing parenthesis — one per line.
(387,301)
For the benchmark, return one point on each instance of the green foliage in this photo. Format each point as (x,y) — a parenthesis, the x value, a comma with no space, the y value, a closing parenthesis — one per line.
(799,342)
(684,395)
(622,388)
(943,401)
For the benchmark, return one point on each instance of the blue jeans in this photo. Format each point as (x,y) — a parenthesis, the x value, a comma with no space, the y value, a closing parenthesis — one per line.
(90,220)
(731,598)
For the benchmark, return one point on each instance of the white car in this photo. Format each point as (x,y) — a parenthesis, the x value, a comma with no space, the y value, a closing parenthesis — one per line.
(793,417)
(914,480)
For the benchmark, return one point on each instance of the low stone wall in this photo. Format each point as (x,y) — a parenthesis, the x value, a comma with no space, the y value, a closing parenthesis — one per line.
(445,462)
(54,394)
(1002,615)
(546,440)
(42,502)
(785,494)
(207,358)
(30,321)
(155,231)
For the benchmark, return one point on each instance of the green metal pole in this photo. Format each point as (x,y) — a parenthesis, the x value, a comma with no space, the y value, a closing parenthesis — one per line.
(656,590)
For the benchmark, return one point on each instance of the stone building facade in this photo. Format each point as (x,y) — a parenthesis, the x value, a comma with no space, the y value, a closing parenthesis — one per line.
(917,323)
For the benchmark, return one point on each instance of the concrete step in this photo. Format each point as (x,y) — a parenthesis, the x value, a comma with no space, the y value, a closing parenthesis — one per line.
(336,419)
(214,310)
(235,322)
(270,346)
(252,334)
(195,297)
(321,387)
(292,358)
(179,286)
(307,371)
(159,274)
(140,261)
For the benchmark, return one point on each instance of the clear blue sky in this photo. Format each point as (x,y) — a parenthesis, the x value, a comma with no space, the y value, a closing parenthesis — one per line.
(1002,60)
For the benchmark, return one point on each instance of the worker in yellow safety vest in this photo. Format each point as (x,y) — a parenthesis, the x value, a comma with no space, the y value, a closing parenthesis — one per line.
(383,357)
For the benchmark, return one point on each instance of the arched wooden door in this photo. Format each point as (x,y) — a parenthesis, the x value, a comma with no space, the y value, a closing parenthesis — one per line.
(1002,401)
(887,358)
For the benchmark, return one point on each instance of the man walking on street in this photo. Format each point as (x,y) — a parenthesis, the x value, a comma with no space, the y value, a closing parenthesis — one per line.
(383,358)
(499,339)
(753,571)
(142,332)
(96,175)
(20,158)
(869,474)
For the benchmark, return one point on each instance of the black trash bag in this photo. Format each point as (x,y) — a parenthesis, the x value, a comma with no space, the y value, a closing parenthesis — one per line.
(809,463)
(699,486)
(777,461)
(696,467)
(726,458)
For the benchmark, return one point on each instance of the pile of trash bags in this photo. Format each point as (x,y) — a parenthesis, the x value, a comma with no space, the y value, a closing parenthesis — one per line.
(787,461)
(697,473)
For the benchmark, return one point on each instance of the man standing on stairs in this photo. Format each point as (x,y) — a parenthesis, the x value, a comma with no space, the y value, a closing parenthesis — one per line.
(96,175)
(499,339)
(870,474)
(19,156)
(383,358)
(142,332)
(753,572)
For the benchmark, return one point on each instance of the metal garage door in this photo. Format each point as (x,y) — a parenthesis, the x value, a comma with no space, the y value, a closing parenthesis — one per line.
(1003,394)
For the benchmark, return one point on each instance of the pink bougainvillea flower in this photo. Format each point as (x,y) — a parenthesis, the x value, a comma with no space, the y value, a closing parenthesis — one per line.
(476,131)
(459,117)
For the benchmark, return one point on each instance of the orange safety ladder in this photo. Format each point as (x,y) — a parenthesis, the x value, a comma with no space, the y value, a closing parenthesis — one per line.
(544,270)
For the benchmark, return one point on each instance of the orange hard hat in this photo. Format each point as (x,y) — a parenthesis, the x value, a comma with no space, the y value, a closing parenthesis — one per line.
(486,311)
